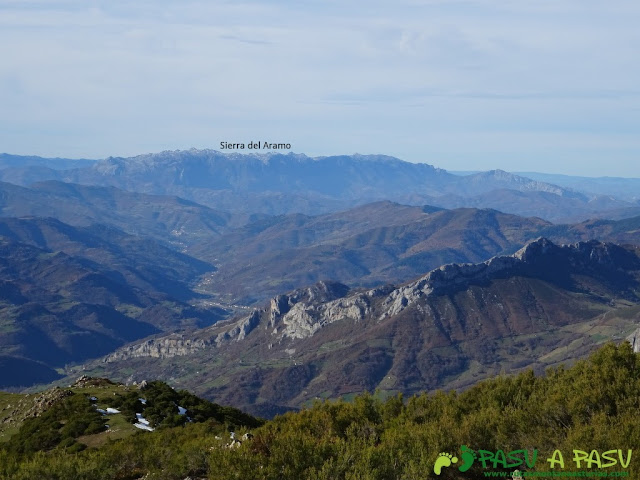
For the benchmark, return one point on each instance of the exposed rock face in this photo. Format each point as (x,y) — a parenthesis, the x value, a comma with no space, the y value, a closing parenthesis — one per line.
(304,319)
(535,254)
(47,399)
(239,329)
(520,183)
(634,340)
(160,348)
(297,315)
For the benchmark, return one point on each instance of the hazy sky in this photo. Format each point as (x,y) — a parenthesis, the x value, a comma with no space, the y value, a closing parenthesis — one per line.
(548,85)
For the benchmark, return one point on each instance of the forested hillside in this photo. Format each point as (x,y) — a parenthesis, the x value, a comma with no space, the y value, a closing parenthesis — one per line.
(592,406)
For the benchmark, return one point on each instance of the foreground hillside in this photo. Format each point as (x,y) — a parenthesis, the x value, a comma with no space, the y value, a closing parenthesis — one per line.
(452,327)
(590,407)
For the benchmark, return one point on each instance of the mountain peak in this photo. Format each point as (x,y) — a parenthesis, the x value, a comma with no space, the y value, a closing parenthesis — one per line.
(535,248)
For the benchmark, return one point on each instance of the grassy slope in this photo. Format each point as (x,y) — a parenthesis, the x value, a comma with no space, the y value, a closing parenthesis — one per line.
(14,408)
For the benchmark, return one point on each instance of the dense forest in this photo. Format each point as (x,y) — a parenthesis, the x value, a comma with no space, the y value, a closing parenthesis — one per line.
(592,406)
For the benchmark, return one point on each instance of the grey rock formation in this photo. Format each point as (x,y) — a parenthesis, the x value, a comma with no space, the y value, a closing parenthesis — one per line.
(303,312)
(165,347)
(240,329)
(634,340)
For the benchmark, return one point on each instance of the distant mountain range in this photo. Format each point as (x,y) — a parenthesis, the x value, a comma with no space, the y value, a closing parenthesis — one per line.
(25,161)
(275,183)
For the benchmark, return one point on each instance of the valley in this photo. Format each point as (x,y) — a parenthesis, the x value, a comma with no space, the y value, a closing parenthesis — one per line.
(345,290)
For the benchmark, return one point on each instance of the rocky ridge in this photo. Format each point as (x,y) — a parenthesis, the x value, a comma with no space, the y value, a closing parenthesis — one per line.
(634,340)
(291,318)
(542,306)
(164,347)
(303,312)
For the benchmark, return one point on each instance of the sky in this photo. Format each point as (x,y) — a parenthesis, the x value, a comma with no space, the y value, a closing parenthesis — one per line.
(539,85)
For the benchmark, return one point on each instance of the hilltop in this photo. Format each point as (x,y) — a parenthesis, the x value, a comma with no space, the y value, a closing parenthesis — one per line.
(93,411)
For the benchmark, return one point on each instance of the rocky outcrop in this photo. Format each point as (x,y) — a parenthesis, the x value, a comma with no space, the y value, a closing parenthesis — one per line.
(634,340)
(296,315)
(240,329)
(33,405)
(85,381)
(533,258)
(166,347)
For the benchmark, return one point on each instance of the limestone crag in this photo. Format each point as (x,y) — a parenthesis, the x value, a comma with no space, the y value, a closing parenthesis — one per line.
(303,319)
(443,278)
(299,314)
(526,184)
(541,246)
(634,340)
(300,321)
(166,347)
(240,329)
(458,276)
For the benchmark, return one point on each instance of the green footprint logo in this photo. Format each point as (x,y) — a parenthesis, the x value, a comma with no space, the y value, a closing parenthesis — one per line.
(444,460)
(468,457)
